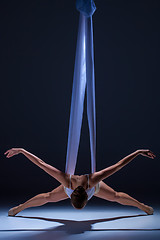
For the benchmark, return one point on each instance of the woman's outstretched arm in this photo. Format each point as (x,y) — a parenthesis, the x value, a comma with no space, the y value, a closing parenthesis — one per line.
(104,173)
(52,171)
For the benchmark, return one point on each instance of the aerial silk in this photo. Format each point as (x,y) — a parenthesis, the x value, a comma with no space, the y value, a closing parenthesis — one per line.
(83,79)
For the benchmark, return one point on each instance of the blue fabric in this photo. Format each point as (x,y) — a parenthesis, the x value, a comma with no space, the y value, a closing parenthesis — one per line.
(83,77)
(86,7)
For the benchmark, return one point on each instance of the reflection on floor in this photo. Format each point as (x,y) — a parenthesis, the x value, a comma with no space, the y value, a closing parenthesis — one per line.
(123,223)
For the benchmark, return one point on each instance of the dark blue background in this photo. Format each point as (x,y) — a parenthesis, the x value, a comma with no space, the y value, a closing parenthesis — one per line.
(37,50)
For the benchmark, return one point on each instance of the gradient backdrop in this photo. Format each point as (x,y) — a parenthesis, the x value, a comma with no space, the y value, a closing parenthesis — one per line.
(37,51)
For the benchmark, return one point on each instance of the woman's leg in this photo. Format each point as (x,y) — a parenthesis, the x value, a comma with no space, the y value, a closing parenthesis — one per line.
(56,195)
(109,194)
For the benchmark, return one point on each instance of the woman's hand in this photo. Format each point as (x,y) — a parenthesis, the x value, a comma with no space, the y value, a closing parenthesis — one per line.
(147,153)
(13,151)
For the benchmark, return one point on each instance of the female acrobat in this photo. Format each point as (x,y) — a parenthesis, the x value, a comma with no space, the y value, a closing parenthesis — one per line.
(80,188)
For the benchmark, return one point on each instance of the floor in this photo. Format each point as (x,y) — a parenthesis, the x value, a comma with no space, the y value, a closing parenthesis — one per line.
(93,222)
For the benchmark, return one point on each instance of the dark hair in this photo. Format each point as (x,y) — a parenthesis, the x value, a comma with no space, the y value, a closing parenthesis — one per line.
(79,197)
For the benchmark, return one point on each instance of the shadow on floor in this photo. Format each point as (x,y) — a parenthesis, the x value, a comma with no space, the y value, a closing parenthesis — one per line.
(77,227)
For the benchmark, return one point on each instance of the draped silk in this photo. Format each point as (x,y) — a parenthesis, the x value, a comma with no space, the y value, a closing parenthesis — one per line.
(83,80)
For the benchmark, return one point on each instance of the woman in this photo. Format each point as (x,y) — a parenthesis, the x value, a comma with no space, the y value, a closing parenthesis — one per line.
(80,188)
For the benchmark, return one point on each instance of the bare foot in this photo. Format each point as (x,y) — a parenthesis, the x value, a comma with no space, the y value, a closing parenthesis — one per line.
(149,210)
(13,211)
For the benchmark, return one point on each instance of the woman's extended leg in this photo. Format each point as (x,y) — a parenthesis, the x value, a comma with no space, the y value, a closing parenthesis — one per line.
(56,195)
(109,194)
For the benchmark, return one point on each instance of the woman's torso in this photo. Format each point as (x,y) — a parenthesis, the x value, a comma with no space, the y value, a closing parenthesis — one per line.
(83,180)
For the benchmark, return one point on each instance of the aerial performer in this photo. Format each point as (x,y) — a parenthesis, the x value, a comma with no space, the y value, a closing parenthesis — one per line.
(81,188)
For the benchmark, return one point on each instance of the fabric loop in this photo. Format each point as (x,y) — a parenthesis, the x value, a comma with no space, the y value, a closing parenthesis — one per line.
(86,7)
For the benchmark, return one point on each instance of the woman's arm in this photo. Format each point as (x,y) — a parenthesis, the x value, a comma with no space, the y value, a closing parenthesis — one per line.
(52,171)
(99,176)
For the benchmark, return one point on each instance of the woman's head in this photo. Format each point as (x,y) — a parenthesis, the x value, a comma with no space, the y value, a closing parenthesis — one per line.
(79,198)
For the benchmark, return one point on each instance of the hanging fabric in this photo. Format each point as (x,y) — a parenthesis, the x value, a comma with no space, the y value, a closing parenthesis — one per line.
(83,77)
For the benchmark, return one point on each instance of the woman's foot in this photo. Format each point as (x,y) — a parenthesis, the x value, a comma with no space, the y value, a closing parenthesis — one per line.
(13,211)
(149,210)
